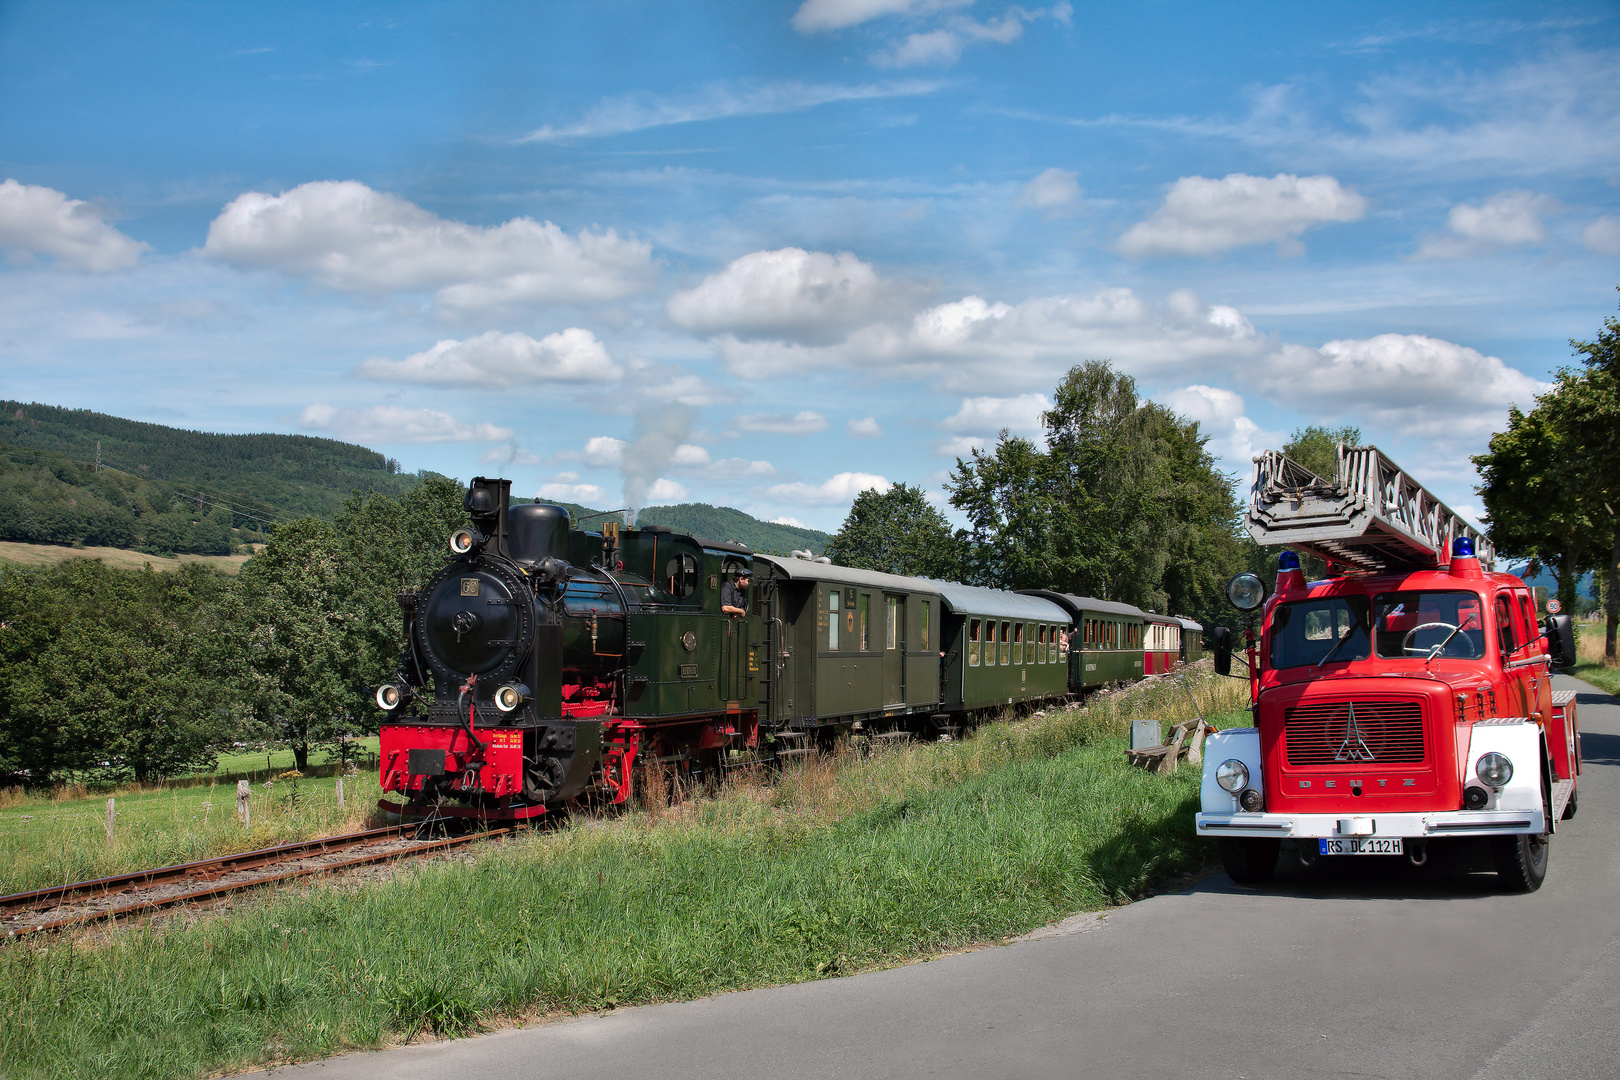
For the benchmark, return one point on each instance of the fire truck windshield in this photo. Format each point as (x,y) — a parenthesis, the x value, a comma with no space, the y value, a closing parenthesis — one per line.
(1418,624)
(1333,630)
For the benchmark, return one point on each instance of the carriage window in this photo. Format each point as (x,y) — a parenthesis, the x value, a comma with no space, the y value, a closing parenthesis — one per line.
(924,619)
(1040,644)
(1504,623)
(973,643)
(1018,643)
(864,609)
(1005,651)
(681,575)
(1053,641)
(1029,643)
(832,619)
(892,612)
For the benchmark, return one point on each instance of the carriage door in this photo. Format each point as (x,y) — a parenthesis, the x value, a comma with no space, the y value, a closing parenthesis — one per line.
(894,651)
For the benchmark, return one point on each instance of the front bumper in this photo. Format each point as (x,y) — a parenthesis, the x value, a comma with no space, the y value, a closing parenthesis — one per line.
(1433,825)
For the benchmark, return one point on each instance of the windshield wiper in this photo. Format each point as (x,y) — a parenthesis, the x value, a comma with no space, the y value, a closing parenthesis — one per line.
(1349,630)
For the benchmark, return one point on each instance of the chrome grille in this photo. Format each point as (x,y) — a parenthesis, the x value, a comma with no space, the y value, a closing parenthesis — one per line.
(1385,733)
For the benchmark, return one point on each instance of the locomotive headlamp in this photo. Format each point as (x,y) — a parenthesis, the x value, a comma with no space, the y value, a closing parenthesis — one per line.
(1232,775)
(1494,769)
(510,696)
(461,541)
(1246,591)
(389,697)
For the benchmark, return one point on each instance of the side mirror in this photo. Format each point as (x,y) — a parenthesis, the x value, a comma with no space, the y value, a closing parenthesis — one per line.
(1561,639)
(1223,649)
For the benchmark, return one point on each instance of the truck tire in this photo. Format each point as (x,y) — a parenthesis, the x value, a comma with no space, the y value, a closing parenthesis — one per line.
(1249,862)
(1521,861)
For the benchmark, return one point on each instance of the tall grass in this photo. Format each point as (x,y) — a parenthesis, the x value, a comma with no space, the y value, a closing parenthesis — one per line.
(1591,664)
(848,862)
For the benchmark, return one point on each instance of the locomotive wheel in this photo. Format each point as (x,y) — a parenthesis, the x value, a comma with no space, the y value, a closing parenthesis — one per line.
(1521,861)
(1249,862)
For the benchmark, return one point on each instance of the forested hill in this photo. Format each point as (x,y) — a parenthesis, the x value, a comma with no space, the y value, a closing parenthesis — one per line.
(166,489)
(714,523)
(292,474)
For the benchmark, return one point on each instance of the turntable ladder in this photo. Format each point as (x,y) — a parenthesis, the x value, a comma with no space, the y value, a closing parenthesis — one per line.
(1372,517)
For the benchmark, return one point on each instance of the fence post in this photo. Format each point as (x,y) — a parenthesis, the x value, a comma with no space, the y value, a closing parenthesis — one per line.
(244,792)
(340,792)
(109,820)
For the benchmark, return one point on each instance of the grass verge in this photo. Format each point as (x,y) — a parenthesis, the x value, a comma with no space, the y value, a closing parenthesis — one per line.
(845,864)
(52,841)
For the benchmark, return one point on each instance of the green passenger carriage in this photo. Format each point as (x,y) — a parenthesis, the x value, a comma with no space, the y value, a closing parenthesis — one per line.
(999,649)
(849,647)
(1106,645)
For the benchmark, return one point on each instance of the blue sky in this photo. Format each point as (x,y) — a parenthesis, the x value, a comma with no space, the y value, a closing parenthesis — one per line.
(767,254)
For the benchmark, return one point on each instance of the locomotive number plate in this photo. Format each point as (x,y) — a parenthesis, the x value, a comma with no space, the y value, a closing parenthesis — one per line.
(1361,845)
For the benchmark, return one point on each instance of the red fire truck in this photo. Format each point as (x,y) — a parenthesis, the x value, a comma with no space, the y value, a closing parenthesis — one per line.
(1402,702)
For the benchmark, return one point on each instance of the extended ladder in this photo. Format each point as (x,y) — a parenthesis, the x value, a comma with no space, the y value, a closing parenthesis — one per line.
(1372,517)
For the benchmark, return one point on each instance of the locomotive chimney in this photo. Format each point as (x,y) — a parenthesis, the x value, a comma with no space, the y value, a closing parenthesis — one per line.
(486,502)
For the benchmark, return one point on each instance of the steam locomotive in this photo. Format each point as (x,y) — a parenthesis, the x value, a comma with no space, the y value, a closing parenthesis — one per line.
(545,665)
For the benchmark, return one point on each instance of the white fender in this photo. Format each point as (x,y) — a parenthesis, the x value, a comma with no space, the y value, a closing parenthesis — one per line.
(1244,745)
(1519,740)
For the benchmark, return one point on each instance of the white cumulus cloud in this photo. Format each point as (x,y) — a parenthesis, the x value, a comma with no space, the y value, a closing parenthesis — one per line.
(344,235)
(978,345)
(789,293)
(838,489)
(565,490)
(497,360)
(988,416)
(1412,384)
(1507,219)
(665,490)
(394,424)
(803,423)
(819,15)
(43,221)
(1051,190)
(1603,235)
(785,520)
(867,428)
(1201,216)
(1220,414)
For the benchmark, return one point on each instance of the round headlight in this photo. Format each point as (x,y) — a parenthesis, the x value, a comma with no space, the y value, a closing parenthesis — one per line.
(1232,775)
(1494,769)
(461,541)
(388,697)
(510,697)
(1246,591)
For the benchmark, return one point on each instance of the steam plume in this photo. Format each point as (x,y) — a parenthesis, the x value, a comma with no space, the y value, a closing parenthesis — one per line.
(659,430)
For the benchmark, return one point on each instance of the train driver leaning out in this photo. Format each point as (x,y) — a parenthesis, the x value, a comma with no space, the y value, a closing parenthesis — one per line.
(734,596)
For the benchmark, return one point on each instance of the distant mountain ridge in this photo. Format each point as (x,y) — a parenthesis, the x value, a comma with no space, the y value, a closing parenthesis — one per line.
(713,523)
(271,475)
(165,489)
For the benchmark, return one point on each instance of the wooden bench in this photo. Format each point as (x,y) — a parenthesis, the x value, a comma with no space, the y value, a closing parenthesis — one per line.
(1186,741)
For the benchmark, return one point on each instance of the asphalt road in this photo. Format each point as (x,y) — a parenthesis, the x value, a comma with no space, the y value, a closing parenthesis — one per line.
(1369,968)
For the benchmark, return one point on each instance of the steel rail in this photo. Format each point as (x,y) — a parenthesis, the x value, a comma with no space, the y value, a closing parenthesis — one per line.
(17,904)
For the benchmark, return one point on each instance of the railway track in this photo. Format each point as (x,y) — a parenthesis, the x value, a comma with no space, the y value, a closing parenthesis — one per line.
(210,880)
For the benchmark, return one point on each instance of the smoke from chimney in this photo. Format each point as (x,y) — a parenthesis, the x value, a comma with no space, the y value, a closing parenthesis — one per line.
(659,430)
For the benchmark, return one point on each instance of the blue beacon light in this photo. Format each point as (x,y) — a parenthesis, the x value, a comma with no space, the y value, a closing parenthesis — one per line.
(1289,560)
(1462,547)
